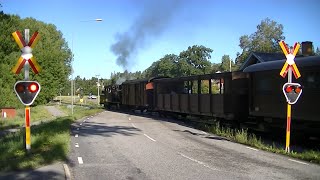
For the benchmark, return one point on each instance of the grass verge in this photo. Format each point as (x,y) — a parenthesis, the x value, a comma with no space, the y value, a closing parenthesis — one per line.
(50,142)
(76,100)
(80,111)
(242,136)
(38,113)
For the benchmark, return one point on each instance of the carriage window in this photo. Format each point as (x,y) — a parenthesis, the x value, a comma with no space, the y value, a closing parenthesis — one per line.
(194,87)
(204,86)
(216,86)
(186,89)
(221,88)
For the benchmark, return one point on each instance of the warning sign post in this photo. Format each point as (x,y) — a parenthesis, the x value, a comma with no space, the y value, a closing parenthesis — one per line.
(292,91)
(26,90)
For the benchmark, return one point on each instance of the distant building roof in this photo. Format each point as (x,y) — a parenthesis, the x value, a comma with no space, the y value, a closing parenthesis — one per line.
(257,57)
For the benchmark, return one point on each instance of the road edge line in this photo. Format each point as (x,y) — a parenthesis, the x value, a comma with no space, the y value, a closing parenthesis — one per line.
(67,172)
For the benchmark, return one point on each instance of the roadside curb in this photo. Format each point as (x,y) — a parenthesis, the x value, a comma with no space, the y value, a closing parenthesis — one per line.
(67,172)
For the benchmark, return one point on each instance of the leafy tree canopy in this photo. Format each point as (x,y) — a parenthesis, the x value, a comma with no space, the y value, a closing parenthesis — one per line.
(265,39)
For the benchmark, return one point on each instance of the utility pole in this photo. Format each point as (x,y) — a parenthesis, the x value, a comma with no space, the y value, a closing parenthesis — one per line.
(98,84)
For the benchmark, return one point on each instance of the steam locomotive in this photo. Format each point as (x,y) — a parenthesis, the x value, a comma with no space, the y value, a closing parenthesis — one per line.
(252,96)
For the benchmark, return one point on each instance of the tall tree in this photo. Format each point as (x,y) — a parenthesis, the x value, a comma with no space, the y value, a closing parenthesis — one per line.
(165,66)
(225,64)
(265,39)
(317,53)
(197,58)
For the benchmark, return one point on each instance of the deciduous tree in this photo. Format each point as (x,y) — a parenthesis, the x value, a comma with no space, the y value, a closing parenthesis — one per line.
(265,39)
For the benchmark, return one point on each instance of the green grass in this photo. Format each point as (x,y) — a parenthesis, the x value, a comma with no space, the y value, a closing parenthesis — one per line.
(49,142)
(242,136)
(37,113)
(80,111)
(86,101)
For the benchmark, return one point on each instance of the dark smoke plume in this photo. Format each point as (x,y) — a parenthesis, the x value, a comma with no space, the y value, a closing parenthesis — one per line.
(154,19)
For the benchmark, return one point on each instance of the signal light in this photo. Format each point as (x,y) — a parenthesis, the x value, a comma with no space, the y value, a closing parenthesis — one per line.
(27,91)
(289,89)
(297,89)
(33,87)
(292,92)
(20,88)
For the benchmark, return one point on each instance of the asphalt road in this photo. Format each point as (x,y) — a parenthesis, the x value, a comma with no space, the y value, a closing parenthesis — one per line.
(113,145)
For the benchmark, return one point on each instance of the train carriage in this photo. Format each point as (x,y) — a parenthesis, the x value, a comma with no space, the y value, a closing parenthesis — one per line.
(134,94)
(220,95)
(268,104)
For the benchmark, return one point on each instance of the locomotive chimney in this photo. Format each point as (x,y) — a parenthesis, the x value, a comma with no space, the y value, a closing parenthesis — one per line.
(307,48)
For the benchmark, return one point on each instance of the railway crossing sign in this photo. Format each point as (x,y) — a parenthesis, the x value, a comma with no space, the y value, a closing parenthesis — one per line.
(26,90)
(290,55)
(26,55)
(292,92)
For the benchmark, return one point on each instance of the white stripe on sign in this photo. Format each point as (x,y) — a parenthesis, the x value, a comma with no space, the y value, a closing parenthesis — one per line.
(76,135)
(149,137)
(133,125)
(298,161)
(80,160)
(252,148)
(76,145)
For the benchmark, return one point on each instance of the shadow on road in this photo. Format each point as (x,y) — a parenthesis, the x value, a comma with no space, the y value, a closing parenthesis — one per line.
(35,174)
(101,129)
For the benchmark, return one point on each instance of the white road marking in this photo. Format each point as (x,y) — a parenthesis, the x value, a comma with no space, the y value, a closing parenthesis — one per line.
(129,118)
(76,145)
(199,162)
(76,135)
(149,137)
(67,171)
(133,125)
(252,148)
(298,161)
(80,160)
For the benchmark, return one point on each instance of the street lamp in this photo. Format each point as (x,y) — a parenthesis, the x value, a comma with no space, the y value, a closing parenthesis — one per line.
(98,84)
(72,81)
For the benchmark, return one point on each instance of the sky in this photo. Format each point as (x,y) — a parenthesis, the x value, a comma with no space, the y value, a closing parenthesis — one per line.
(149,29)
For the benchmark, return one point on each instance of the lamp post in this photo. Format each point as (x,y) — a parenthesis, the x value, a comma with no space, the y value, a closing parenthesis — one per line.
(98,84)
(72,81)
